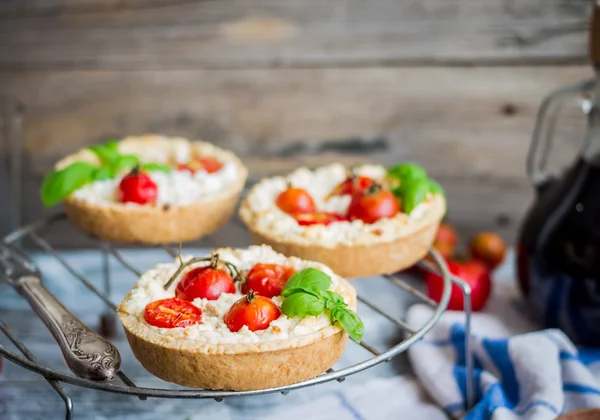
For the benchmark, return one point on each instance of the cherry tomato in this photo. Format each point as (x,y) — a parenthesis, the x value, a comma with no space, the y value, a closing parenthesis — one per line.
(137,187)
(319,218)
(474,272)
(489,248)
(204,283)
(267,279)
(254,311)
(446,240)
(172,313)
(352,185)
(373,204)
(210,165)
(295,200)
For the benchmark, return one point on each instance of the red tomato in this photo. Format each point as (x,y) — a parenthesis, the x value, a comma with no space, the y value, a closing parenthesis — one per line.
(489,248)
(352,185)
(474,272)
(319,218)
(137,187)
(205,283)
(210,165)
(295,200)
(267,279)
(172,313)
(372,205)
(254,311)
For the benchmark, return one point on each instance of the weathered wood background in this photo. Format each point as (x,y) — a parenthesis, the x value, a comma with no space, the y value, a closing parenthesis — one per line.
(452,84)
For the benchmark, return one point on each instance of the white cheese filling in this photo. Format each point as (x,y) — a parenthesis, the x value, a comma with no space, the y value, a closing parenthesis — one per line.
(175,188)
(213,329)
(266,216)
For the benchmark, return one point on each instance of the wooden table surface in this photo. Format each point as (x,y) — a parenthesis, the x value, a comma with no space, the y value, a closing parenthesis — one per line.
(24,395)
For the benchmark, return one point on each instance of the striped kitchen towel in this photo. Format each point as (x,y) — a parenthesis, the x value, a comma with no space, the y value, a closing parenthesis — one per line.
(519,373)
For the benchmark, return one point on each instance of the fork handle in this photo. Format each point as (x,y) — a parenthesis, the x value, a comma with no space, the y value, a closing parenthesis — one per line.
(87,353)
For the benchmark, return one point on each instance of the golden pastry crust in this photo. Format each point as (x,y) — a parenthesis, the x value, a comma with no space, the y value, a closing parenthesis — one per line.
(239,366)
(409,245)
(156,224)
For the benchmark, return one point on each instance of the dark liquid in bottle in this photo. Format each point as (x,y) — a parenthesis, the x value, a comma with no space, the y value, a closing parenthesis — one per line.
(558,258)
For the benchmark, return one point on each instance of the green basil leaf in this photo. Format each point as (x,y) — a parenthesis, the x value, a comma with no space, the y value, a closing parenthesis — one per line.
(332,299)
(108,152)
(125,162)
(349,321)
(309,279)
(407,172)
(153,166)
(302,304)
(58,185)
(413,194)
(435,188)
(103,172)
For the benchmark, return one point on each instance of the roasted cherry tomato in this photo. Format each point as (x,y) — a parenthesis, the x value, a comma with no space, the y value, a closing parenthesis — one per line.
(172,313)
(137,187)
(267,279)
(489,248)
(204,283)
(319,218)
(295,200)
(254,311)
(373,204)
(351,186)
(473,272)
(210,165)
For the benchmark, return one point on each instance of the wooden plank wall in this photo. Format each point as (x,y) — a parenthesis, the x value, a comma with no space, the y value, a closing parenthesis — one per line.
(452,84)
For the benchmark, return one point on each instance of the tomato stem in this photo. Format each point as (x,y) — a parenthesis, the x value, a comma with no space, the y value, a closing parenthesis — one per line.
(181,267)
(374,188)
(250,296)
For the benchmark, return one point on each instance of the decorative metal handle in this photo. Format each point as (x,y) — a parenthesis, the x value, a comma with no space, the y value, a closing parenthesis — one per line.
(86,352)
(580,94)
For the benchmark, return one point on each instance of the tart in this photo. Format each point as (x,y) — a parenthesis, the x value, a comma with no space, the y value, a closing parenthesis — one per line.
(149,189)
(201,323)
(365,221)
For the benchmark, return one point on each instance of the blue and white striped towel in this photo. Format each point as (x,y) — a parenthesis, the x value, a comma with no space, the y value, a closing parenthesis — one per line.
(520,373)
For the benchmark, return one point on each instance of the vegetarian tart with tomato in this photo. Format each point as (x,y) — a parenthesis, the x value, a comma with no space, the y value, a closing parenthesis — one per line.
(365,221)
(239,319)
(149,189)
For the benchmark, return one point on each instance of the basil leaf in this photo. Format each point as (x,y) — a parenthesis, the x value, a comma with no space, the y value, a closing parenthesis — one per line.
(153,166)
(302,304)
(309,279)
(350,322)
(125,162)
(107,152)
(58,185)
(102,173)
(407,172)
(435,188)
(413,193)
(332,299)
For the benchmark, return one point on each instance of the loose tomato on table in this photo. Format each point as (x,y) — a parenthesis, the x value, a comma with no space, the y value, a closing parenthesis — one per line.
(209,164)
(474,272)
(254,311)
(267,279)
(352,185)
(446,240)
(295,201)
(489,248)
(137,187)
(204,283)
(319,218)
(373,204)
(172,313)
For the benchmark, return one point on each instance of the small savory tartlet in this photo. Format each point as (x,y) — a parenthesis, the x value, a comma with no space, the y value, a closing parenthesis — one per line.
(360,222)
(150,189)
(239,319)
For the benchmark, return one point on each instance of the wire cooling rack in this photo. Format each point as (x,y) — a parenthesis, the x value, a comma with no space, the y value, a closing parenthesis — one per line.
(123,385)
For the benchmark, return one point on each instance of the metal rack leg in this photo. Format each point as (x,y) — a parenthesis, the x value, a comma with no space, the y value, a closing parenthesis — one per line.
(108,319)
(470,377)
(29,355)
